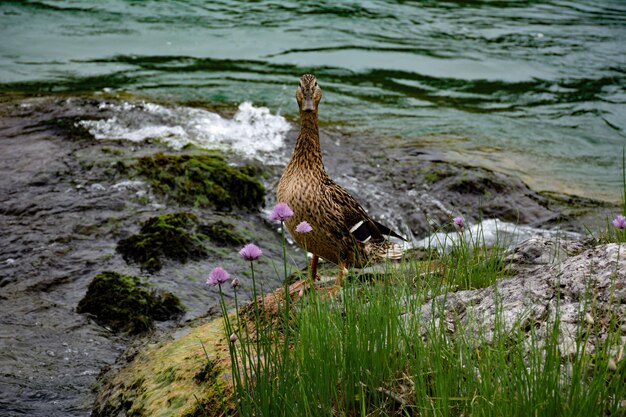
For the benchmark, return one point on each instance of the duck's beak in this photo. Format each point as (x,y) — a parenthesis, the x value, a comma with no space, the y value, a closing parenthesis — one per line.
(308,102)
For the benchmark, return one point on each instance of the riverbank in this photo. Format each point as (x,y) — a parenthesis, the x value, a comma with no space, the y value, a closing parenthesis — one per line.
(68,199)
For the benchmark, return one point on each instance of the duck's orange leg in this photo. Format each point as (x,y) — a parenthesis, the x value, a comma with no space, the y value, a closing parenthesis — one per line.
(334,290)
(300,286)
(342,268)
(314,260)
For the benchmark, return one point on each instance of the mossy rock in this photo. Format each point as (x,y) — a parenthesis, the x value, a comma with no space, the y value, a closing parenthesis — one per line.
(189,376)
(169,235)
(122,303)
(71,127)
(202,180)
(177,236)
(223,233)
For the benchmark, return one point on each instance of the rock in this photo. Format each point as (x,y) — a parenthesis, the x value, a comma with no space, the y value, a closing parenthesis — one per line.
(189,376)
(123,304)
(539,250)
(591,284)
(66,200)
(223,233)
(171,236)
(586,288)
(415,188)
(204,179)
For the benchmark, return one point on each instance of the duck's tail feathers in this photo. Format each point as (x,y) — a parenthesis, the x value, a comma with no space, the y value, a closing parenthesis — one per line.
(393,251)
(387,231)
(385,250)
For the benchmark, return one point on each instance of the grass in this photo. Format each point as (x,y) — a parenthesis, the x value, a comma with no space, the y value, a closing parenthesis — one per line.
(388,349)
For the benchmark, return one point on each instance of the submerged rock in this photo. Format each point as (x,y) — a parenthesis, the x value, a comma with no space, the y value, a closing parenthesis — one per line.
(171,236)
(123,304)
(177,236)
(204,180)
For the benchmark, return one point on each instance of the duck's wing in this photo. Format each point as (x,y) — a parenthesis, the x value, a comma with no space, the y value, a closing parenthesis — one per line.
(387,231)
(360,225)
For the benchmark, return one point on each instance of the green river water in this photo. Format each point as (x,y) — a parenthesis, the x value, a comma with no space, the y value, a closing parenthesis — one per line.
(536,89)
(532,88)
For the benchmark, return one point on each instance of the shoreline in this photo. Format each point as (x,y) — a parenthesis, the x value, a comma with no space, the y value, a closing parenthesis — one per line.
(64,212)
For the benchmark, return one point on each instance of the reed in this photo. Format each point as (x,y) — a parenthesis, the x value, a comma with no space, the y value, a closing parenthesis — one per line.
(379,350)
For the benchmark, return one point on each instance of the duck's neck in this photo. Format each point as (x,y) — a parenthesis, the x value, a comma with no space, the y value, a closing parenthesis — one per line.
(308,149)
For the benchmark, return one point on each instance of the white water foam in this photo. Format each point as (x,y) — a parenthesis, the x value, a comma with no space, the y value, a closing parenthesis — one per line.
(489,233)
(253,131)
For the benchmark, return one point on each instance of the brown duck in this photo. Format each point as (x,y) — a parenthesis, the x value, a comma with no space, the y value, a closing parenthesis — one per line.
(343,233)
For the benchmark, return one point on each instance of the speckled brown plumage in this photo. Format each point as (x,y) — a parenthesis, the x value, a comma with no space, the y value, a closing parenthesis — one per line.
(326,206)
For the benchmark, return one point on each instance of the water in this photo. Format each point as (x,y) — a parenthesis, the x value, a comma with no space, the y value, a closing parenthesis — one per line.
(535,89)
(252,132)
(532,88)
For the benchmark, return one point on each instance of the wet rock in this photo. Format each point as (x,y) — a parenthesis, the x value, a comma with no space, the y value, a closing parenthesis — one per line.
(123,304)
(66,200)
(170,236)
(203,179)
(177,236)
(223,233)
(416,188)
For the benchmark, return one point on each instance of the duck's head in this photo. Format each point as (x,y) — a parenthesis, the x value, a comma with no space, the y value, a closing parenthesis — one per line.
(308,93)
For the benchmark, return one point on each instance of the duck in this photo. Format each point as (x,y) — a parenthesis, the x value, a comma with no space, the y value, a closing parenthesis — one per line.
(342,232)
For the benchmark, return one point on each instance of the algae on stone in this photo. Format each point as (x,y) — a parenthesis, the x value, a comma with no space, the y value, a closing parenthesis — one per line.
(223,233)
(122,303)
(169,235)
(72,127)
(186,377)
(202,180)
(178,236)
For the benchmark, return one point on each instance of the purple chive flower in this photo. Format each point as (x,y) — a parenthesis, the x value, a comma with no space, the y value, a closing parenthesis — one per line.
(233,338)
(217,277)
(458,221)
(281,211)
(250,252)
(620,222)
(303,227)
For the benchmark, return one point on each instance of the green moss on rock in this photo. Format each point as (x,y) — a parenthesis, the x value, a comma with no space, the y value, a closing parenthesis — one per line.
(71,126)
(202,180)
(170,235)
(122,303)
(186,377)
(177,236)
(223,233)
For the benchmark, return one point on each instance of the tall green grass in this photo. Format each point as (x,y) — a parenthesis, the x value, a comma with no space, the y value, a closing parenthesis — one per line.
(383,350)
